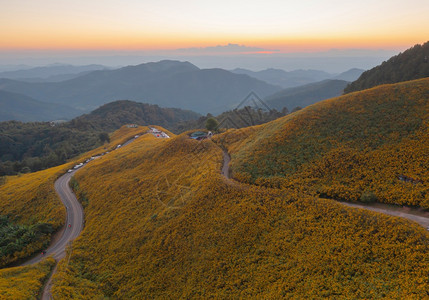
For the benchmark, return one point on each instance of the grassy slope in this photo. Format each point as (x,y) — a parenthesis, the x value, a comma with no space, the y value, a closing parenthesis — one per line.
(31,198)
(24,282)
(344,147)
(165,224)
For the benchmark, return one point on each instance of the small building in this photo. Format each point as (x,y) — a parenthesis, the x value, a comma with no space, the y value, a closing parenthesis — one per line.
(198,135)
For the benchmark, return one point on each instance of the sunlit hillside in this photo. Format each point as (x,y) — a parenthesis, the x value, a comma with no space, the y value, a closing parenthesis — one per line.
(162,222)
(369,145)
(24,282)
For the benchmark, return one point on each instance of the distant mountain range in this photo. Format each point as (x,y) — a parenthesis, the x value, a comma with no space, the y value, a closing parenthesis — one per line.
(14,106)
(305,95)
(50,73)
(350,75)
(166,83)
(408,65)
(298,77)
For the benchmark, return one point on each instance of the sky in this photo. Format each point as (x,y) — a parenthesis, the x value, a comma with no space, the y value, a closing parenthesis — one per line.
(196,27)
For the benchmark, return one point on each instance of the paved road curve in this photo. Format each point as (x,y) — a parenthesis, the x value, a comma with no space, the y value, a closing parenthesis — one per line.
(74,219)
(73,227)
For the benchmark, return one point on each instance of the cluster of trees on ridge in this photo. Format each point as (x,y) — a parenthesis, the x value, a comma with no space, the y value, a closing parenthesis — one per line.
(409,65)
(236,118)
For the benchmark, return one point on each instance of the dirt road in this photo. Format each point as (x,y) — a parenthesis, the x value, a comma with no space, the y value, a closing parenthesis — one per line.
(414,214)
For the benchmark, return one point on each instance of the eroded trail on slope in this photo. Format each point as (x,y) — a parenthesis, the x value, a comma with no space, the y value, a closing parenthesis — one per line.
(417,215)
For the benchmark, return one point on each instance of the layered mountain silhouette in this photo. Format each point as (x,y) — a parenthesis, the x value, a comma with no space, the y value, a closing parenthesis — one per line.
(305,95)
(166,83)
(14,106)
(286,79)
(298,77)
(350,75)
(50,73)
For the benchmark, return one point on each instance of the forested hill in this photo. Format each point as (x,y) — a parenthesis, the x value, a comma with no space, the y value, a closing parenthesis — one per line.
(409,65)
(26,147)
(365,146)
(113,115)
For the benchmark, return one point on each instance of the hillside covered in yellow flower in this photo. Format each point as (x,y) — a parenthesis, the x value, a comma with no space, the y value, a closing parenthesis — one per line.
(364,146)
(25,282)
(162,222)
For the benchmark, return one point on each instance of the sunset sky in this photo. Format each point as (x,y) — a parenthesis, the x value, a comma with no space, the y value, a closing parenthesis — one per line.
(209,33)
(284,25)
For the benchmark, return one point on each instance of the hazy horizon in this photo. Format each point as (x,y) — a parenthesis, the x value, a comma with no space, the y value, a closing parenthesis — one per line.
(229,57)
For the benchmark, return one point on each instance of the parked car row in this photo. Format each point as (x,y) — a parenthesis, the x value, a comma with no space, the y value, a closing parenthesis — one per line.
(97,156)
(80,165)
(158,133)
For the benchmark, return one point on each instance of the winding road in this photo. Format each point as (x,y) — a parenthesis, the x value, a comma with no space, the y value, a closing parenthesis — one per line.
(72,229)
(413,214)
(74,219)
(74,226)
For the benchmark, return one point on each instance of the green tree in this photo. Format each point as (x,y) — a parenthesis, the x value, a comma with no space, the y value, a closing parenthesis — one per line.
(368,197)
(212,124)
(104,137)
(296,109)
